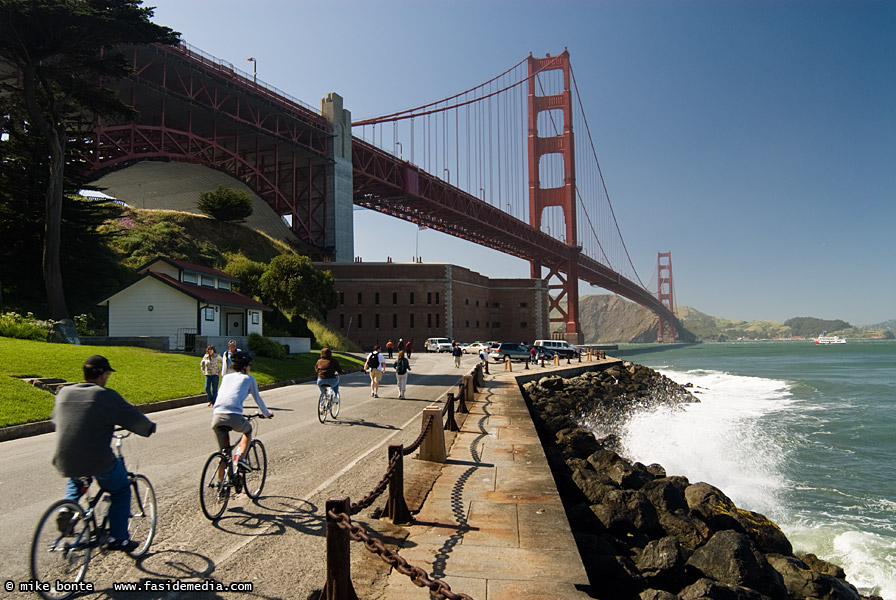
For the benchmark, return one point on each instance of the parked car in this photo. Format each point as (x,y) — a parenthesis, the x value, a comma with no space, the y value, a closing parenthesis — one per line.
(561,347)
(475,347)
(438,345)
(507,349)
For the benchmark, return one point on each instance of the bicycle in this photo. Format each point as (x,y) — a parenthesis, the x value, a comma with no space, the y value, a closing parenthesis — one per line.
(221,477)
(328,402)
(67,533)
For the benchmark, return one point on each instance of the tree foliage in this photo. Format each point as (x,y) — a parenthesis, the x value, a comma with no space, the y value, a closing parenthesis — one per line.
(226,204)
(63,50)
(249,273)
(811,327)
(295,286)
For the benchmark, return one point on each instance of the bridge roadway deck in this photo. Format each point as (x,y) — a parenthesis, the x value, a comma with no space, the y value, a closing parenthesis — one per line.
(493,525)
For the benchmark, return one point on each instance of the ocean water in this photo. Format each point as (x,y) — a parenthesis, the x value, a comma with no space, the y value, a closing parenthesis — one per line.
(804,434)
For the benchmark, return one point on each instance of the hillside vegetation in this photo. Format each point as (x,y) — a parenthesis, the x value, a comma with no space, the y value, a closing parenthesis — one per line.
(611,319)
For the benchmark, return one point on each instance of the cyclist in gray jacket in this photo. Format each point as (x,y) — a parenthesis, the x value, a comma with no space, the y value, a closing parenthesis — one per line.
(85,416)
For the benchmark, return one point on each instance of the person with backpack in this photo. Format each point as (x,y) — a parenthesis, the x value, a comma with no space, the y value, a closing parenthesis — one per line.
(456,352)
(375,366)
(401,366)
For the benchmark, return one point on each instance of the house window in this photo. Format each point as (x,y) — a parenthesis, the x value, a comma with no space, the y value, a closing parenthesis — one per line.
(255,318)
(437,297)
(523,324)
(477,324)
(341,297)
(341,320)
(496,304)
(209,313)
(359,320)
(437,320)
(223,284)
(190,277)
(208,281)
(467,301)
(394,321)
(412,320)
(496,324)
(376,298)
(394,297)
(376,320)
(359,298)
(429,320)
(429,297)
(412,297)
(468,324)
(477,303)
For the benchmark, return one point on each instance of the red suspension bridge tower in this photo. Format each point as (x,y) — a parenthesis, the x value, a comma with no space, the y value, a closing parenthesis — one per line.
(544,109)
(665,329)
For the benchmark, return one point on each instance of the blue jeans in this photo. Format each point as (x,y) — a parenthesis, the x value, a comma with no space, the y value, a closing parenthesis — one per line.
(333,382)
(115,481)
(211,387)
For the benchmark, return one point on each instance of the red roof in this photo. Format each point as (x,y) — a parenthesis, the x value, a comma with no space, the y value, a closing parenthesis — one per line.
(209,294)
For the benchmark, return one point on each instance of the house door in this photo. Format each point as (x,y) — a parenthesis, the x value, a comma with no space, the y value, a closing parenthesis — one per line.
(235,324)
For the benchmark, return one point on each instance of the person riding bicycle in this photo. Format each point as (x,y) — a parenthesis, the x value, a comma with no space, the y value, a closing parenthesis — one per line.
(328,369)
(228,411)
(85,416)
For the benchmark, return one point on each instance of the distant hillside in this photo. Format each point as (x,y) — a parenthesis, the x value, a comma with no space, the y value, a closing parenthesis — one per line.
(610,319)
(891,325)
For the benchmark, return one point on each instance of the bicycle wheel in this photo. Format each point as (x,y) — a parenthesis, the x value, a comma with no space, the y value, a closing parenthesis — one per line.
(144,514)
(60,549)
(322,407)
(254,478)
(214,493)
(334,404)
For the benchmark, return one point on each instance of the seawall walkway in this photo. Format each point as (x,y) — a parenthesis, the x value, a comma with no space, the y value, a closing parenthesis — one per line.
(493,526)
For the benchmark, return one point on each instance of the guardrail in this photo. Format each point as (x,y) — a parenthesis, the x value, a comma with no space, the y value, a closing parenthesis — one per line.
(341,529)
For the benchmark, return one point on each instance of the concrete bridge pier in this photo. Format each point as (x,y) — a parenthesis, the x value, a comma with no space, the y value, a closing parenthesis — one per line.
(339,224)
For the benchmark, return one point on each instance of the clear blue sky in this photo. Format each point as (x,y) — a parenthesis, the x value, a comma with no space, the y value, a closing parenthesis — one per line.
(753,139)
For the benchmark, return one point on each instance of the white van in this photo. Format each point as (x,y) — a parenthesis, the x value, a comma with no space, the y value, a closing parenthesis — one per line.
(438,345)
(559,347)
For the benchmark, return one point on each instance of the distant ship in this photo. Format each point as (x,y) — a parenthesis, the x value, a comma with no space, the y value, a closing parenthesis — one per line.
(825,339)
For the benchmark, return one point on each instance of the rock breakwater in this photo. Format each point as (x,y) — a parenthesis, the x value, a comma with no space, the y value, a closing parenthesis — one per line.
(652,536)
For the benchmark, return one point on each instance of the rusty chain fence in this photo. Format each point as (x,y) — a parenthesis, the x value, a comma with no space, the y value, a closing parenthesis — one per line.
(339,511)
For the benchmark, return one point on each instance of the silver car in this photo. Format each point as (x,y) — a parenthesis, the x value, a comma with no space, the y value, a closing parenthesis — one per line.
(509,350)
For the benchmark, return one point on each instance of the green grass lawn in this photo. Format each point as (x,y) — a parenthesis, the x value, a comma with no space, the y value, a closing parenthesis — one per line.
(141,375)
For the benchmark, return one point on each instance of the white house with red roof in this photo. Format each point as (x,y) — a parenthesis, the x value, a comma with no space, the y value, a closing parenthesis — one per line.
(181,301)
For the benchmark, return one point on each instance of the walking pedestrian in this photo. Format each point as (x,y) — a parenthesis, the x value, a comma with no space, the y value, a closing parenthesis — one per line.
(211,365)
(456,352)
(375,366)
(409,348)
(389,347)
(227,363)
(401,366)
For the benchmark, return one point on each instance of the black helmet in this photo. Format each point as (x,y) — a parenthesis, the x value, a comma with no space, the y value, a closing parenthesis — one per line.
(240,359)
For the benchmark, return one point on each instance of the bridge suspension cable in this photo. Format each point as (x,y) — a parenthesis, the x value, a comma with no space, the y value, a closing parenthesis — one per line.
(477,141)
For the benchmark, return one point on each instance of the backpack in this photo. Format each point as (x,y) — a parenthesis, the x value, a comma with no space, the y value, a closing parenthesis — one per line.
(373,361)
(401,366)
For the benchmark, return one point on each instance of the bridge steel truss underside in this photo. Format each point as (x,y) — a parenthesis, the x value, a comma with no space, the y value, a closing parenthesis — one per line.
(199,110)
(388,185)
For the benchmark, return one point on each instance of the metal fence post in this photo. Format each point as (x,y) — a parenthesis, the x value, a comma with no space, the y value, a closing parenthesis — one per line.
(339,564)
(396,508)
(450,423)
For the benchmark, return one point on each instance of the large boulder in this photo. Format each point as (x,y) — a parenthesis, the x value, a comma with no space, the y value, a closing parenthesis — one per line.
(63,332)
(578,442)
(626,512)
(767,536)
(803,582)
(706,589)
(652,594)
(712,506)
(730,557)
(690,531)
(667,494)
(662,564)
